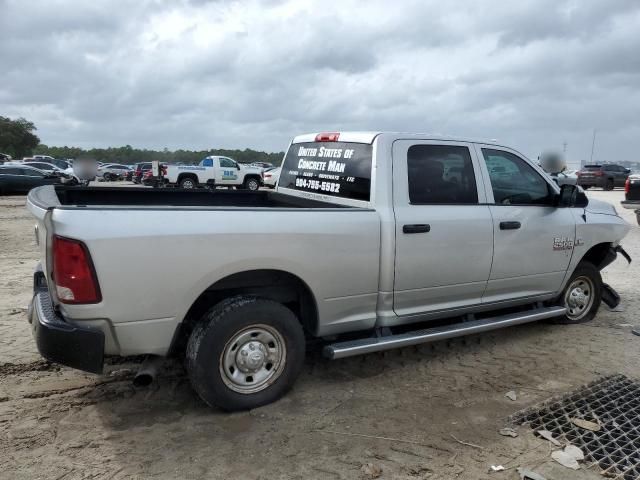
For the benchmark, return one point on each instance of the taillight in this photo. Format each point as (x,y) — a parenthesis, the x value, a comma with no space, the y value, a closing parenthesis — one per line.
(599,173)
(327,137)
(627,185)
(73,272)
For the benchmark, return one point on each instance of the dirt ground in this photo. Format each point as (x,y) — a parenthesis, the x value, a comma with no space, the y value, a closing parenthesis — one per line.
(400,415)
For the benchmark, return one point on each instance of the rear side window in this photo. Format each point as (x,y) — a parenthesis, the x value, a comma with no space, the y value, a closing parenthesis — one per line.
(207,162)
(337,169)
(440,174)
(10,171)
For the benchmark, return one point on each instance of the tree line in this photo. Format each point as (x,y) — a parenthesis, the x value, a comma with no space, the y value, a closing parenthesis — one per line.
(130,155)
(17,138)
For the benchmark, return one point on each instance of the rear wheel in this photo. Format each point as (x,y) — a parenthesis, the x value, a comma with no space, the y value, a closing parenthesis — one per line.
(244,353)
(583,294)
(609,185)
(252,184)
(188,182)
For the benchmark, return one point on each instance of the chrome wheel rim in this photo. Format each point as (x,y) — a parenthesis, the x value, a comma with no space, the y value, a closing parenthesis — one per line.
(253,359)
(187,184)
(579,298)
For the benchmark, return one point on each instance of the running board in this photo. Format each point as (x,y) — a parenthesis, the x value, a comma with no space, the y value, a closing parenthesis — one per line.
(426,335)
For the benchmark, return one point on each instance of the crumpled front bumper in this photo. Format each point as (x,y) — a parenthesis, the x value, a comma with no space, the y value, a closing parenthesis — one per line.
(58,340)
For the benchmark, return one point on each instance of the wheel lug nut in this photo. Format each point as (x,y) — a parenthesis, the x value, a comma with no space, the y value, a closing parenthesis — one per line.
(244,353)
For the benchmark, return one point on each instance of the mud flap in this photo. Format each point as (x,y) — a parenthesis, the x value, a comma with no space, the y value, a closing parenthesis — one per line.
(622,252)
(609,296)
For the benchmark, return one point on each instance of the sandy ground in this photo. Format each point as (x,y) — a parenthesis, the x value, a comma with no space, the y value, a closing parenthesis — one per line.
(398,411)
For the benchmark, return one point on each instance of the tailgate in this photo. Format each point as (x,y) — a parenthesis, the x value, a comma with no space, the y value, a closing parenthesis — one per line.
(40,202)
(633,190)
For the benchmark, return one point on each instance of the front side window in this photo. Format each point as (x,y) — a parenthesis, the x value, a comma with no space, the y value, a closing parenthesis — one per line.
(514,181)
(227,163)
(440,174)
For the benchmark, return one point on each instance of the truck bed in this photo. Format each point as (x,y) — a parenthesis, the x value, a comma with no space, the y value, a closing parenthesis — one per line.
(62,196)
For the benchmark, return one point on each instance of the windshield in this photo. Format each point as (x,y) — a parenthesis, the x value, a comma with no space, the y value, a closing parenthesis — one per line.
(337,169)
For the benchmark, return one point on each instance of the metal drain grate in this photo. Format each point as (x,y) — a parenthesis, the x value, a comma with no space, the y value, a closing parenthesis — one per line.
(614,403)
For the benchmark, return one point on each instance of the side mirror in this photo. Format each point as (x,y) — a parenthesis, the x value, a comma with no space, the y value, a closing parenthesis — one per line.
(237,166)
(572,196)
(627,171)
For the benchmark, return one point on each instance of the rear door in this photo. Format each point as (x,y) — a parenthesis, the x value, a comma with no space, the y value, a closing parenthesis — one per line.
(444,231)
(533,240)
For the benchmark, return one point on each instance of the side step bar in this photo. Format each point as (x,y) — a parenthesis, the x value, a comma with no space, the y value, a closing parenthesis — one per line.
(426,335)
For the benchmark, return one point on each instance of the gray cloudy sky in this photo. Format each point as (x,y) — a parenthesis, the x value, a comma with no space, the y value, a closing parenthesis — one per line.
(197,74)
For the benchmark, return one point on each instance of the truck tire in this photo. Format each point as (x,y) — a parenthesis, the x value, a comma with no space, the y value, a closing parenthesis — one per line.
(583,295)
(609,184)
(188,182)
(252,183)
(244,353)
(637,214)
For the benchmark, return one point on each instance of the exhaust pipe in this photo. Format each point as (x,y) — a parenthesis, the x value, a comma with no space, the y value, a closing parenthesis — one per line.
(148,371)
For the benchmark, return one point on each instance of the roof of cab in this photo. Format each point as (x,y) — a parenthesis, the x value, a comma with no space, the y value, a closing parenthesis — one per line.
(369,137)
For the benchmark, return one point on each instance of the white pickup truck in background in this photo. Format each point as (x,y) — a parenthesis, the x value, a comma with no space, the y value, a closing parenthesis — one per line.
(215,170)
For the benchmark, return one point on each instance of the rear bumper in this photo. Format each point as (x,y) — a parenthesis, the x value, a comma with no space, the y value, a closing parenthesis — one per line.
(590,182)
(631,204)
(60,341)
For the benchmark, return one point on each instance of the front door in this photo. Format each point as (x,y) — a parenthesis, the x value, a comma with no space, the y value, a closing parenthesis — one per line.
(533,240)
(227,173)
(444,232)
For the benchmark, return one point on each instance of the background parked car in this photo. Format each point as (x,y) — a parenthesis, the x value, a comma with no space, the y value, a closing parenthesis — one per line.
(271,176)
(138,171)
(4,157)
(568,177)
(112,171)
(22,178)
(150,181)
(605,176)
(264,165)
(66,175)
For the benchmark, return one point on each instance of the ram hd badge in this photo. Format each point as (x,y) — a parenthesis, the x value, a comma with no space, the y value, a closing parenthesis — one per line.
(562,243)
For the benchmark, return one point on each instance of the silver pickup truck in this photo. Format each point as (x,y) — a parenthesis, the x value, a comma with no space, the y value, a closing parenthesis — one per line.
(371,241)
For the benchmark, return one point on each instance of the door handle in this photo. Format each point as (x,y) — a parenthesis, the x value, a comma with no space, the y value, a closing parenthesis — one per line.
(509,225)
(416,228)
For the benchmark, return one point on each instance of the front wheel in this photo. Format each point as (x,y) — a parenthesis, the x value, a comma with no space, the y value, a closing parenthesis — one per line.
(252,184)
(244,353)
(609,185)
(583,295)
